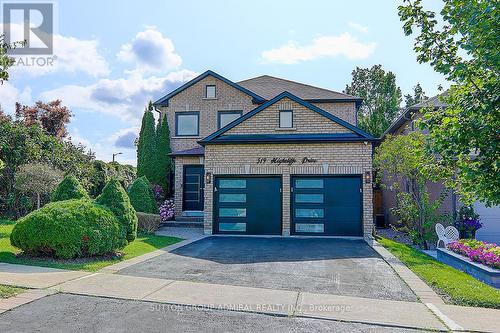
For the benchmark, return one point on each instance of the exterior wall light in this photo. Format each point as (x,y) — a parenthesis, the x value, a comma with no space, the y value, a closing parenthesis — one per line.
(208,178)
(368,177)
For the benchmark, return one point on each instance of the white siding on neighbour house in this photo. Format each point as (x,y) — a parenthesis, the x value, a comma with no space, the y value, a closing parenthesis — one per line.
(490,217)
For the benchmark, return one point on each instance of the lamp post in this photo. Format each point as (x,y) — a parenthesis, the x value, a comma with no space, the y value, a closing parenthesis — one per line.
(115,154)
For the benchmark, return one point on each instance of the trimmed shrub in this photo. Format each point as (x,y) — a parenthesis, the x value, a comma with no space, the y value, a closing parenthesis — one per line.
(142,197)
(148,223)
(69,188)
(68,229)
(116,199)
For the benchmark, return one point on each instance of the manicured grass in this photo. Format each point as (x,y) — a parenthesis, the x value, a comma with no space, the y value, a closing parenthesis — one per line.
(8,291)
(144,243)
(457,287)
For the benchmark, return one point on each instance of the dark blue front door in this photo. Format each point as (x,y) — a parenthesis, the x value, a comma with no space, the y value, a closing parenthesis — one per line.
(193,187)
(326,205)
(247,205)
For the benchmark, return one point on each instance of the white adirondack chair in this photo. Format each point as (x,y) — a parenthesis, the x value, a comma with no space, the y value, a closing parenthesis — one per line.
(446,235)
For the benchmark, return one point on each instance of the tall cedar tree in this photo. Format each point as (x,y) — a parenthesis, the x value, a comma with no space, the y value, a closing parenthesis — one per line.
(164,160)
(147,157)
(381,98)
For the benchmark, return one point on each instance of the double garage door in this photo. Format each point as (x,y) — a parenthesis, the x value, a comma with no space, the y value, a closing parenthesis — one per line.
(319,205)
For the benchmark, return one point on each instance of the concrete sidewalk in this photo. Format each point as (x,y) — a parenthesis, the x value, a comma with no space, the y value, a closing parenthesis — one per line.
(256,300)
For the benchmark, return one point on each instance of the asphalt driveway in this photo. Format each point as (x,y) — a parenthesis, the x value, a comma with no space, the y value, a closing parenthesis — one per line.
(317,265)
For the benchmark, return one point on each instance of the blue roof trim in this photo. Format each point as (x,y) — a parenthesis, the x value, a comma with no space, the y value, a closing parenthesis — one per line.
(276,99)
(164,100)
(287,138)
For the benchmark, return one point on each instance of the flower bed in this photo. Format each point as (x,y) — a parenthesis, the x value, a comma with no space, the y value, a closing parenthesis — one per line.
(484,253)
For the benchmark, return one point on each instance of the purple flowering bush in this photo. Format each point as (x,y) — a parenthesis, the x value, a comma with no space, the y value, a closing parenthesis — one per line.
(484,253)
(468,222)
(158,192)
(167,210)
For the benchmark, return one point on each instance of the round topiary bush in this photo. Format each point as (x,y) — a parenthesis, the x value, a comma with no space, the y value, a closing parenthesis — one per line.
(68,229)
(69,188)
(142,197)
(116,199)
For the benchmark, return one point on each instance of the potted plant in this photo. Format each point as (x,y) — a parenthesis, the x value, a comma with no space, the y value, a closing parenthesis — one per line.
(468,222)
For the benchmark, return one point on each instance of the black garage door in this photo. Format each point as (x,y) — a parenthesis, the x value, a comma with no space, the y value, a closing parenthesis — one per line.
(247,205)
(326,205)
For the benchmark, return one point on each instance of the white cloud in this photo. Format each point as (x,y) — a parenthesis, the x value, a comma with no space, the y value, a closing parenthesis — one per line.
(124,98)
(358,27)
(71,55)
(150,51)
(326,46)
(9,95)
(105,148)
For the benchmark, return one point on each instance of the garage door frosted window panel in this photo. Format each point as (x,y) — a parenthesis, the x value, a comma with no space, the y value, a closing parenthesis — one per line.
(247,205)
(326,205)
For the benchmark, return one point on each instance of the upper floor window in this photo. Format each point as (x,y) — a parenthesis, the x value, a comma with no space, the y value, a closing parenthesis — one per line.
(187,123)
(210,91)
(286,119)
(225,117)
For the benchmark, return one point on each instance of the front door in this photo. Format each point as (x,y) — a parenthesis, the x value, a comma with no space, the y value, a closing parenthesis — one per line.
(193,187)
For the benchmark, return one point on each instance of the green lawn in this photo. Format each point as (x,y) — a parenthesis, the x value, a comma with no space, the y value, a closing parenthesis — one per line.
(8,291)
(144,243)
(456,287)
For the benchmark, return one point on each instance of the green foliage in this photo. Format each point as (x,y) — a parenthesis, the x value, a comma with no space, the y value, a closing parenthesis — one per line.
(7,61)
(164,160)
(148,223)
(381,98)
(69,188)
(460,288)
(21,145)
(104,172)
(417,97)
(37,178)
(147,156)
(462,44)
(407,166)
(2,164)
(116,199)
(142,197)
(68,229)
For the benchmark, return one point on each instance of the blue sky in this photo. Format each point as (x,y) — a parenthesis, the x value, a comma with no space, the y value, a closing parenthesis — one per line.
(113,56)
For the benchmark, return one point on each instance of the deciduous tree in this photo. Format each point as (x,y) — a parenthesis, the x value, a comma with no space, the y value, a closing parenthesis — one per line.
(52,116)
(381,98)
(461,42)
(37,178)
(417,97)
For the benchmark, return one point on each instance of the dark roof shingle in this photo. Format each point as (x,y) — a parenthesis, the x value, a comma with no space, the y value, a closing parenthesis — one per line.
(268,87)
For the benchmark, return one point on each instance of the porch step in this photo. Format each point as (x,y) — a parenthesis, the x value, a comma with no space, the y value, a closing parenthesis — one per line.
(183,224)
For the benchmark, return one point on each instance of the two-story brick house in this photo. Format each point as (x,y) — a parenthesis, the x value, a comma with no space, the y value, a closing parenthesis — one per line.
(268,156)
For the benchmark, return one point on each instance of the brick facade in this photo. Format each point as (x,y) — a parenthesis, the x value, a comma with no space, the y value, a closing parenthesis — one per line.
(332,159)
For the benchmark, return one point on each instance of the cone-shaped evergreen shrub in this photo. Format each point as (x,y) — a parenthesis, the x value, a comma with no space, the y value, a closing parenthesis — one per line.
(69,188)
(142,197)
(116,199)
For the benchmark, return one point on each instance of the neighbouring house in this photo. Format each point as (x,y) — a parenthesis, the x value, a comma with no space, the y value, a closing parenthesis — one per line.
(490,216)
(269,156)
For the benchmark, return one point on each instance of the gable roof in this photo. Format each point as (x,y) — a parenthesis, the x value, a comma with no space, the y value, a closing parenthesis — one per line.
(285,94)
(164,100)
(408,112)
(269,86)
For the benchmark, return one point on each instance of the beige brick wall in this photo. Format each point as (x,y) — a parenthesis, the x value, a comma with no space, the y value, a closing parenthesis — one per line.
(344,110)
(180,161)
(332,159)
(193,99)
(304,121)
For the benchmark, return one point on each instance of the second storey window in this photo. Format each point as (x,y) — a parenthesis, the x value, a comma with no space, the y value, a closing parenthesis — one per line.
(225,117)
(286,119)
(187,123)
(210,91)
